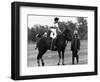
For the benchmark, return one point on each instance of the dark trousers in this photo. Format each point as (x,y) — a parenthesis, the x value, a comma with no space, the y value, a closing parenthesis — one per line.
(75,55)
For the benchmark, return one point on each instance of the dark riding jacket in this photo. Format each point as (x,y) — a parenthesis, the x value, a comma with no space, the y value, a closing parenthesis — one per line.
(75,44)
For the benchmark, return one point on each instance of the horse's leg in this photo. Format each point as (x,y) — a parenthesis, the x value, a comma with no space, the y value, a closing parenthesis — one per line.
(42,61)
(73,57)
(59,57)
(38,59)
(42,53)
(63,57)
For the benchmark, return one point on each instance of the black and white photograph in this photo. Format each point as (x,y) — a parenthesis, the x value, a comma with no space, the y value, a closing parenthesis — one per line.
(53,40)
(57,40)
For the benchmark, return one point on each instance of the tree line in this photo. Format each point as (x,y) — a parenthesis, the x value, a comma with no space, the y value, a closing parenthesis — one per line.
(40,29)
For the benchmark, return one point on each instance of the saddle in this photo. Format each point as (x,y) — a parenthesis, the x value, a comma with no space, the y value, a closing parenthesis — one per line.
(53,46)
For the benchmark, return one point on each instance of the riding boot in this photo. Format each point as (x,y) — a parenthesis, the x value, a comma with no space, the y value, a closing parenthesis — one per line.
(54,44)
(54,48)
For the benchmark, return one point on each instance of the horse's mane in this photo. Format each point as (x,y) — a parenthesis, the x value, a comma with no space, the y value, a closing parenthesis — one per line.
(66,30)
(67,33)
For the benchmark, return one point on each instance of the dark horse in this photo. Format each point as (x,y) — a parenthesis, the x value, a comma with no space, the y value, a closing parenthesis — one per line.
(44,44)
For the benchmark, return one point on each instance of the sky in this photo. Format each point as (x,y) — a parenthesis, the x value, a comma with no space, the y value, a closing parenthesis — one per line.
(47,20)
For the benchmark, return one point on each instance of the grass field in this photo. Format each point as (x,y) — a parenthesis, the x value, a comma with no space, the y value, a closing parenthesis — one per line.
(51,57)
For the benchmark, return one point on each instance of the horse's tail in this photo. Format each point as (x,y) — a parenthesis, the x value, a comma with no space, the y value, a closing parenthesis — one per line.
(36,47)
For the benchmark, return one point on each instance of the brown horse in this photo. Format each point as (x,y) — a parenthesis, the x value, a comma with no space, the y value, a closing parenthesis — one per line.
(44,44)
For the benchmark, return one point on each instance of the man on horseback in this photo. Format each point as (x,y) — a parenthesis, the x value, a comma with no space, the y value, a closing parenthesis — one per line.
(55,30)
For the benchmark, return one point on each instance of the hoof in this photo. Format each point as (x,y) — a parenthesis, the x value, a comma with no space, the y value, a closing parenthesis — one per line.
(42,64)
(63,64)
(58,64)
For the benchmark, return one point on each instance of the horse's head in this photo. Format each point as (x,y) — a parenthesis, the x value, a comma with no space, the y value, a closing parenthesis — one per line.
(67,34)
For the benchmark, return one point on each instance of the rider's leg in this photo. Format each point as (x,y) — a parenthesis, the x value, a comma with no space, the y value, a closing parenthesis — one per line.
(54,43)
(51,44)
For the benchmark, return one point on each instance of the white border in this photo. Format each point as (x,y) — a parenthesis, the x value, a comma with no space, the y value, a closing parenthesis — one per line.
(54,69)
